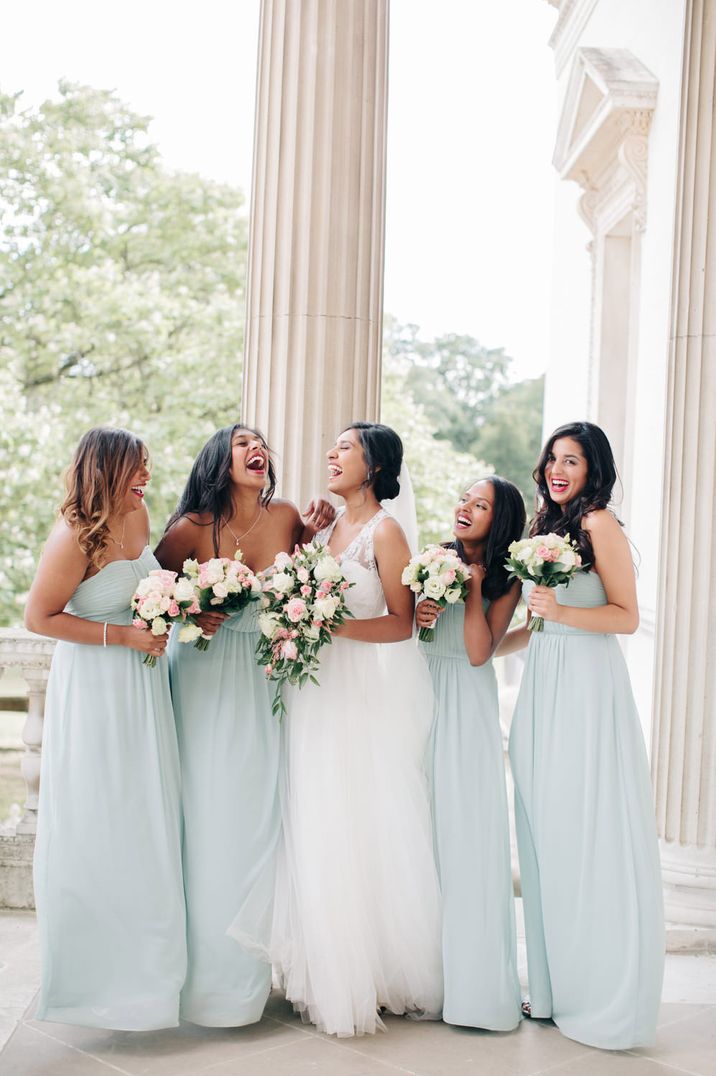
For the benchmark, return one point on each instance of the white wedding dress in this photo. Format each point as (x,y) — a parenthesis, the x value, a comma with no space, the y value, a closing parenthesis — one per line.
(356,917)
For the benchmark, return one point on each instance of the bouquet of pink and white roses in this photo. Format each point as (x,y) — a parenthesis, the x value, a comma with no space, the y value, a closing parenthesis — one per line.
(161,600)
(547,560)
(219,585)
(439,574)
(304,599)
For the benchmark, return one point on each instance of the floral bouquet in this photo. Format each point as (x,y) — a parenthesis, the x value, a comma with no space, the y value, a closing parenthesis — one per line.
(303,601)
(439,574)
(161,600)
(219,585)
(547,560)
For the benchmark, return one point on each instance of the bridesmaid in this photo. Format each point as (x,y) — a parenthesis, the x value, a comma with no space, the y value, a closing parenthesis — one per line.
(228,737)
(585,825)
(108,882)
(468,769)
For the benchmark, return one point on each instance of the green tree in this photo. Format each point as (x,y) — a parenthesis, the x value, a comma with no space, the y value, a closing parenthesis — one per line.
(469,400)
(439,473)
(121,301)
(510,436)
(453,377)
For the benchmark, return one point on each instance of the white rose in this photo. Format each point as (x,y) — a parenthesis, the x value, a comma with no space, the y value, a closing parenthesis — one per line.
(282,582)
(150,610)
(416,587)
(567,558)
(189,632)
(159,626)
(325,608)
(269,624)
(327,568)
(434,568)
(191,567)
(310,631)
(184,590)
(452,596)
(221,590)
(255,585)
(213,572)
(282,561)
(434,588)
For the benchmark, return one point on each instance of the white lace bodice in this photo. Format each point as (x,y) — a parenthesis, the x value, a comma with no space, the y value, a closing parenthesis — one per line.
(365,599)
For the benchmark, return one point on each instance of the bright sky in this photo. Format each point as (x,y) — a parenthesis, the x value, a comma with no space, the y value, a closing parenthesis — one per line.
(472,119)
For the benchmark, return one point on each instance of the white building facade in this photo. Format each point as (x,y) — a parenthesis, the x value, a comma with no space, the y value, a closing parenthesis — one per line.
(633,349)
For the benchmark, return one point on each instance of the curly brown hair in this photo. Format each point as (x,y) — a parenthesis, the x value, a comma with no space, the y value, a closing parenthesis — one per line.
(98,477)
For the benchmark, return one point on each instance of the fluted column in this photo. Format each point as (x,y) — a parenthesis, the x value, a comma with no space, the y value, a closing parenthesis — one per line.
(316,245)
(684,752)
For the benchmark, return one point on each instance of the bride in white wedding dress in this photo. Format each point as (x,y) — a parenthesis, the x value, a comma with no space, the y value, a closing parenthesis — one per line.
(356,918)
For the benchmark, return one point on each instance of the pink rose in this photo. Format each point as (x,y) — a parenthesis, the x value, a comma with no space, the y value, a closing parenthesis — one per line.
(302,574)
(138,622)
(165,577)
(194,607)
(306,591)
(543,552)
(296,609)
(173,609)
(268,669)
(289,650)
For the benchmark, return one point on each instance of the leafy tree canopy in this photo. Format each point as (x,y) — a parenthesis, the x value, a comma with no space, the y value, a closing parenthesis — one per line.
(122,302)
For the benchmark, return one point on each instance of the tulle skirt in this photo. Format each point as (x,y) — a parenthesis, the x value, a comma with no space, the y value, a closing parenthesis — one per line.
(356,921)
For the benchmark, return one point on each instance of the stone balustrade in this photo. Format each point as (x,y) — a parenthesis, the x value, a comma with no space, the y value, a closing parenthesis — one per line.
(30,655)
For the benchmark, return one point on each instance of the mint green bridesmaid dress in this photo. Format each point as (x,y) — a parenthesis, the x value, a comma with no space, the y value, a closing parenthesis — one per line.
(229,749)
(586,835)
(108,880)
(472,841)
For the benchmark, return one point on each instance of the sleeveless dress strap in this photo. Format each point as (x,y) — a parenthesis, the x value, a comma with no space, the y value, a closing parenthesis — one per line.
(362,546)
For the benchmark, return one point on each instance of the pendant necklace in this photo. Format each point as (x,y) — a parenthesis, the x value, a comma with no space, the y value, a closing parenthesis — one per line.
(120,543)
(237,538)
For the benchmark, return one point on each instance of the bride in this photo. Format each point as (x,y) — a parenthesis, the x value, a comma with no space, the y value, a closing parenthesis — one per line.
(356,919)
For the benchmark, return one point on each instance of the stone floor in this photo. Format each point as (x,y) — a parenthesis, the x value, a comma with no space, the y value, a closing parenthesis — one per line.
(281,1045)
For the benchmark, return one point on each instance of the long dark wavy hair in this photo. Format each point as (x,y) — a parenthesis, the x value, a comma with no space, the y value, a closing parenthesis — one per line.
(508,525)
(597,493)
(208,487)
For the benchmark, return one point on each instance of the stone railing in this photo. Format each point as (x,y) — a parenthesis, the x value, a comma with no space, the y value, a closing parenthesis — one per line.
(30,655)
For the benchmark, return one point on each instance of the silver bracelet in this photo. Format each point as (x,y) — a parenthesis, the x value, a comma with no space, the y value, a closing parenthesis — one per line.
(104,634)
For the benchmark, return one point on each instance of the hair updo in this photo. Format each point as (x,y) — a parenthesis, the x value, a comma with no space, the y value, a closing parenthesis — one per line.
(383,451)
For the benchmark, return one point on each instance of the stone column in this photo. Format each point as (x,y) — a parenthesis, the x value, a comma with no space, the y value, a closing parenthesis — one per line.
(684,751)
(316,244)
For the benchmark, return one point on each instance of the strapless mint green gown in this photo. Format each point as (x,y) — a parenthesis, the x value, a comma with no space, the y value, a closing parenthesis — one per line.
(586,835)
(108,880)
(472,839)
(229,748)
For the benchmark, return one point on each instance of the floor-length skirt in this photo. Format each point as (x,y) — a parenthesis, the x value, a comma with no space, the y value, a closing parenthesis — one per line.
(229,748)
(587,844)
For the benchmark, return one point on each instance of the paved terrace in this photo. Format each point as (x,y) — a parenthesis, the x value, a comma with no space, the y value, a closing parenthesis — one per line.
(282,1046)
